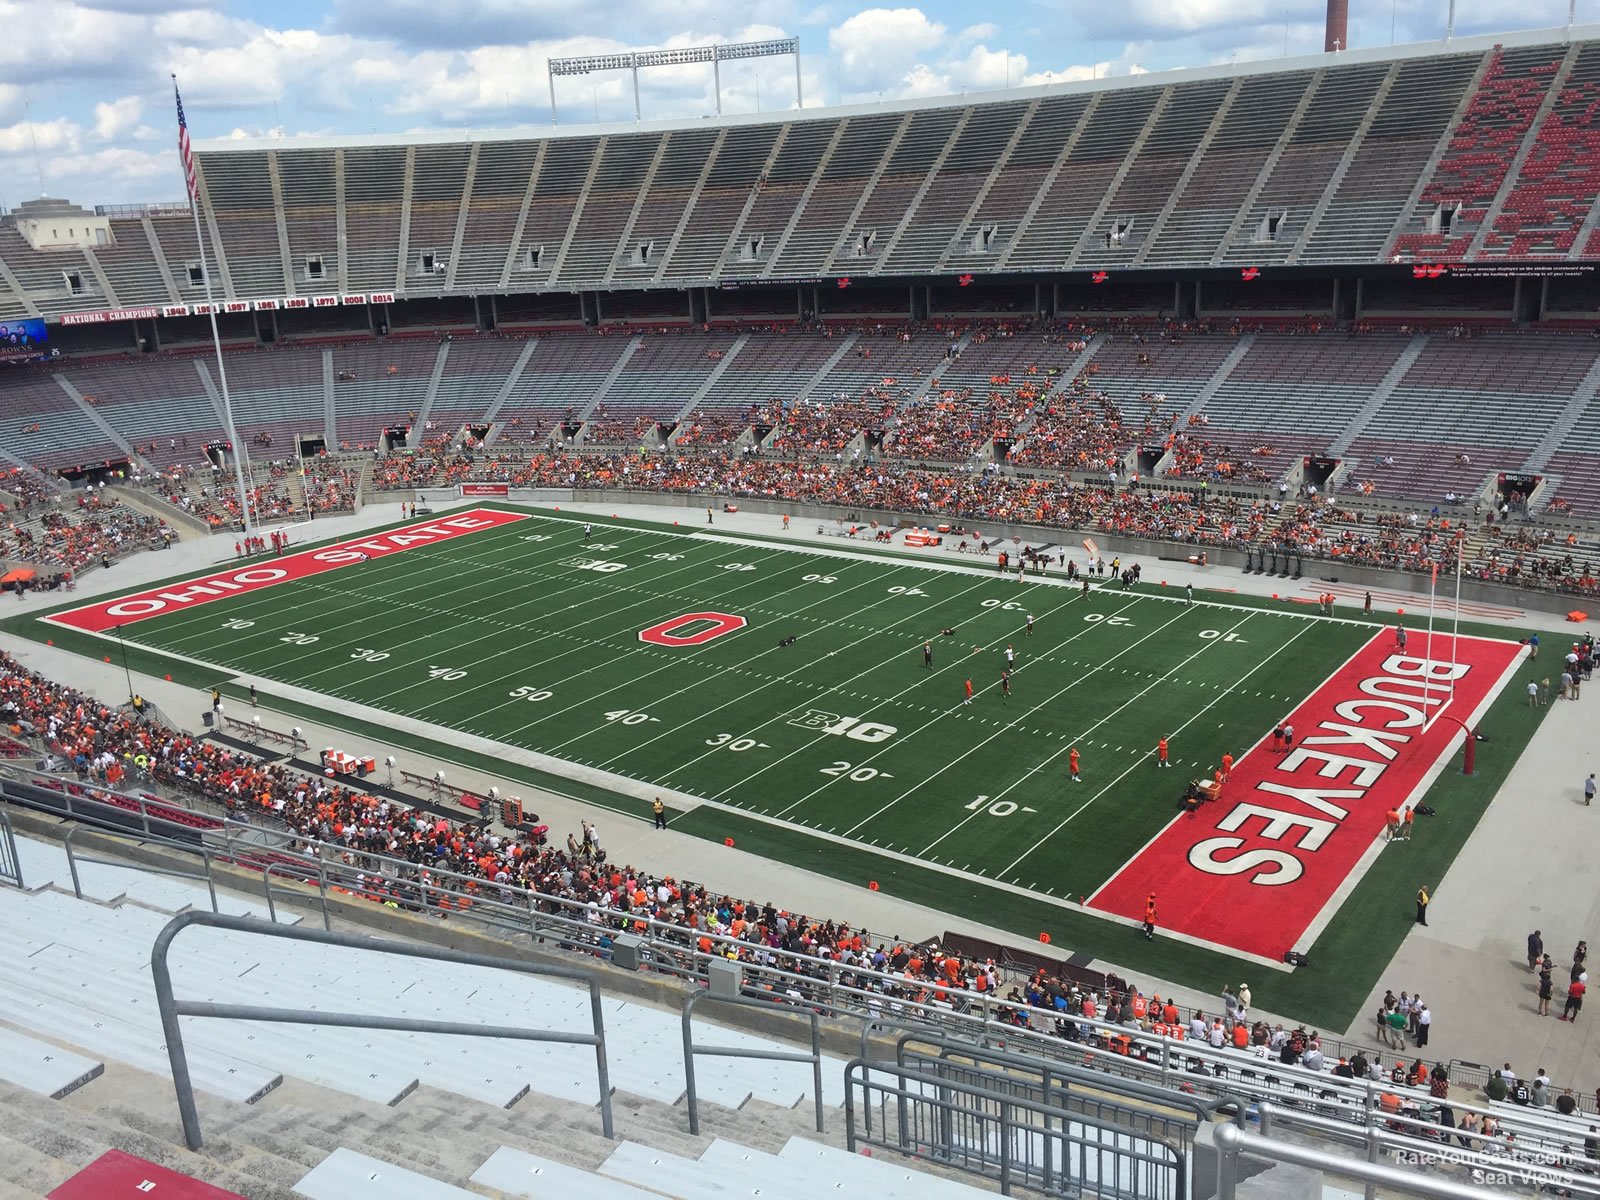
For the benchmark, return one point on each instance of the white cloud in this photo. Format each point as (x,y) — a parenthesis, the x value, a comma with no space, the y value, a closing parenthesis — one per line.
(115,118)
(200,26)
(118,163)
(882,39)
(49,137)
(68,41)
(984,69)
(268,65)
(469,24)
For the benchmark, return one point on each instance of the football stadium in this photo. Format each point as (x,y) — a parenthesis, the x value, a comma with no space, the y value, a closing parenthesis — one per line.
(945,646)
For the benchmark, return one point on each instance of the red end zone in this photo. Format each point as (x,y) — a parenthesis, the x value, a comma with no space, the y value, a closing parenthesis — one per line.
(260,573)
(1253,870)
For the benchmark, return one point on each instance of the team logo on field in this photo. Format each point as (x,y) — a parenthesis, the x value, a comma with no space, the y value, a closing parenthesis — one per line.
(851,727)
(692,629)
(592,564)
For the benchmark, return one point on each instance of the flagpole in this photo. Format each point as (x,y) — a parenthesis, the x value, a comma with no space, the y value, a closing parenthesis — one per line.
(211,312)
(1427,653)
(1455,629)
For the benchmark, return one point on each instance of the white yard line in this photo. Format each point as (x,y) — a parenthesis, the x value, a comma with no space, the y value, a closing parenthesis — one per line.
(785,677)
(674,659)
(1072,816)
(922,679)
(1006,728)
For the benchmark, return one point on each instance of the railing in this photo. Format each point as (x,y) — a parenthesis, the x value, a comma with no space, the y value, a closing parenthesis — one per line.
(979,1129)
(75,857)
(160,208)
(1489,1174)
(691,1048)
(1016,1073)
(103,808)
(172,1008)
(10,864)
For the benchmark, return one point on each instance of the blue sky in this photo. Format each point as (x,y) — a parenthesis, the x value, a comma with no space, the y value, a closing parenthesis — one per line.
(86,80)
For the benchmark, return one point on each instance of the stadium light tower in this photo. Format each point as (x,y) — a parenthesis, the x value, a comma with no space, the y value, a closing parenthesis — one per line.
(715,54)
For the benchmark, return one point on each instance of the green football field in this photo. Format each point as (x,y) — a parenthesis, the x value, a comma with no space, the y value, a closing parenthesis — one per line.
(501,634)
(840,749)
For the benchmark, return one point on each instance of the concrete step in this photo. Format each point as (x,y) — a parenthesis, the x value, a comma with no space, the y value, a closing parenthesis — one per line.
(30,1169)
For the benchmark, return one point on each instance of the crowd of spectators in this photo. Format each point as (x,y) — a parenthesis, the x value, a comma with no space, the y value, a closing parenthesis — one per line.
(1198,457)
(70,535)
(1324,528)
(25,489)
(607,428)
(1081,430)
(204,492)
(820,428)
(715,428)
(952,427)
(330,485)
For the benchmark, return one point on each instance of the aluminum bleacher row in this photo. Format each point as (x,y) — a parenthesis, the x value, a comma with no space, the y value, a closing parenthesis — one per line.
(1344,160)
(1448,411)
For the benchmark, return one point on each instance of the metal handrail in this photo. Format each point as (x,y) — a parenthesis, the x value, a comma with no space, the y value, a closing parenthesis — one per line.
(984,1003)
(1234,1143)
(76,811)
(74,857)
(316,873)
(172,1008)
(1007,1107)
(10,862)
(690,1049)
(1418,1136)
(1199,1109)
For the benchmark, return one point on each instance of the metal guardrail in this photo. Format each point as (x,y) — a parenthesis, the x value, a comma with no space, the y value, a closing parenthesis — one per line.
(171,1008)
(10,863)
(691,1048)
(1488,1174)
(76,857)
(978,1129)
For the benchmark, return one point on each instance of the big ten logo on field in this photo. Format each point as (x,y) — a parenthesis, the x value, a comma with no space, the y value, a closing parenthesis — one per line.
(850,727)
(592,564)
(692,629)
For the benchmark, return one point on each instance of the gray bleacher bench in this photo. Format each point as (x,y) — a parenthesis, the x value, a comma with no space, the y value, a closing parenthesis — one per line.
(347,1175)
(43,1068)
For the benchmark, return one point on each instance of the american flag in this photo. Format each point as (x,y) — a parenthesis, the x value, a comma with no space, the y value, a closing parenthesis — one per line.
(184,151)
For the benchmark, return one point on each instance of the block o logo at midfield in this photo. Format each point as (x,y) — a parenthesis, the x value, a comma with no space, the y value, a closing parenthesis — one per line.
(692,629)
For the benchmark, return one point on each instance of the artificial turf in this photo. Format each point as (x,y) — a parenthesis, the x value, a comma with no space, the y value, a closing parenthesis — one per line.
(840,750)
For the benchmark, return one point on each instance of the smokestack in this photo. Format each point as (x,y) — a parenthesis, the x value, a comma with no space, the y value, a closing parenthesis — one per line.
(1337,34)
